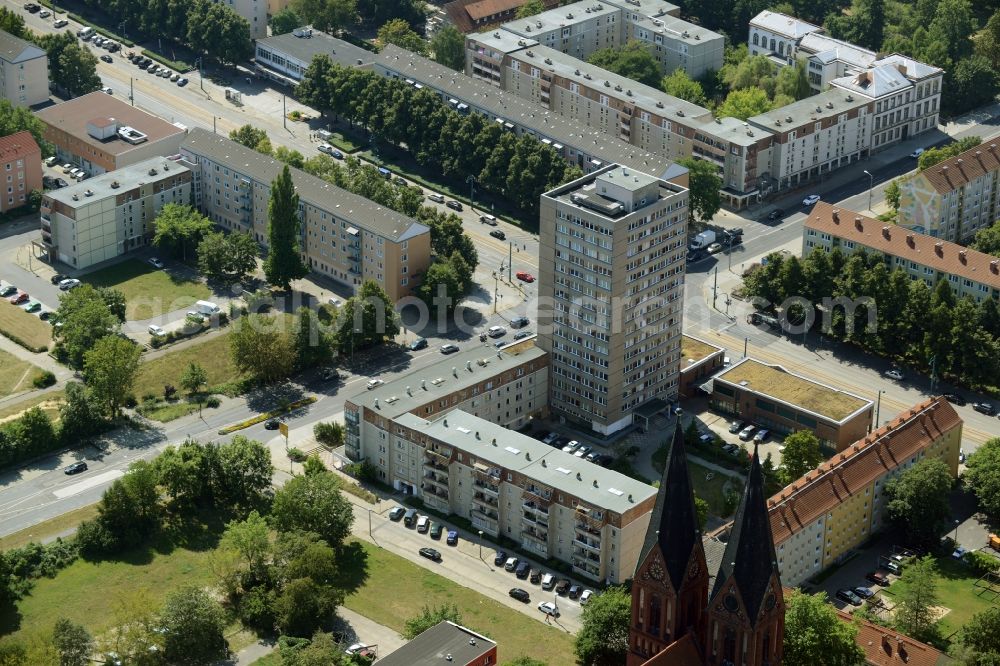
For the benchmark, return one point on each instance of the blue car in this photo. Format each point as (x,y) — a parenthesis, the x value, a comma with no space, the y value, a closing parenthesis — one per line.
(452,538)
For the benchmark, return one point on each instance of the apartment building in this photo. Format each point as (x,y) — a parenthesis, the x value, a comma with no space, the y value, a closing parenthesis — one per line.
(611,260)
(968,272)
(580,28)
(884,647)
(20,169)
(820,518)
(508,387)
(253,11)
(777,34)
(285,58)
(343,236)
(953,199)
(590,149)
(100,133)
(461,647)
(783,402)
(815,136)
(24,71)
(111,214)
(472,15)
(554,504)
(699,359)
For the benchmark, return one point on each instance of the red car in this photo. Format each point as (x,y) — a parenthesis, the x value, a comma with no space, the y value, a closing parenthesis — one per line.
(19,298)
(526,277)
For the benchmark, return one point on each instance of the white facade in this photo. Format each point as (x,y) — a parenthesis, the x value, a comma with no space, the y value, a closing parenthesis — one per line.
(24,71)
(255,13)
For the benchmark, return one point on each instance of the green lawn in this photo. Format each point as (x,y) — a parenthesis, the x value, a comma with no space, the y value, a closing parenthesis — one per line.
(712,490)
(168,411)
(24,328)
(390,589)
(148,291)
(212,355)
(49,402)
(16,375)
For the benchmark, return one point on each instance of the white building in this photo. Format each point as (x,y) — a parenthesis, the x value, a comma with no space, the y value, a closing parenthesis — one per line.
(24,71)
(255,13)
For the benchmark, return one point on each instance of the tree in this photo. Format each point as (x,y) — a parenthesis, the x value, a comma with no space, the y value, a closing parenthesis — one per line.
(84,318)
(193,625)
(228,258)
(178,227)
(115,300)
(329,434)
(918,499)
(988,40)
(248,135)
(525,661)
(682,86)
(77,71)
(633,60)
(259,348)
(284,261)
(915,599)
(251,539)
(313,504)
(704,183)
(530,8)
(932,156)
(313,346)
(13,23)
(793,81)
(322,650)
(868,23)
(289,156)
(73,642)
(980,638)
(802,454)
(441,281)
(988,239)
(953,25)
(448,47)
(746,71)
(431,616)
(973,81)
(110,369)
(15,119)
(982,475)
(892,194)
(79,414)
(603,638)
(128,512)
(301,607)
(744,103)
(244,472)
(232,42)
(184,473)
(366,319)
(327,15)
(285,21)
(815,636)
(194,378)
(398,32)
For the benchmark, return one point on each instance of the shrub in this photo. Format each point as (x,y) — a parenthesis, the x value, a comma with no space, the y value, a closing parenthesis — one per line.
(156,342)
(179,66)
(296,454)
(149,397)
(44,379)
(94,539)
(212,402)
(362,471)
(130,402)
(169,390)
(256,608)
(35,560)
(981,563)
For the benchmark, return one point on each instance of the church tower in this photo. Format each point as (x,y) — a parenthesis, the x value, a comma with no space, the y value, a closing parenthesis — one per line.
(670,587)
(746,612)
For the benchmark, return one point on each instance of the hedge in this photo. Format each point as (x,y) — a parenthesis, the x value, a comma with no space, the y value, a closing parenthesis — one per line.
(101,31)
(176,65)
(48,3)
(267,415)
(13,338)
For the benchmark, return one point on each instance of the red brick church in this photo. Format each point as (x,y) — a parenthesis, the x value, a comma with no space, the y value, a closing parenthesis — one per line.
(678,617)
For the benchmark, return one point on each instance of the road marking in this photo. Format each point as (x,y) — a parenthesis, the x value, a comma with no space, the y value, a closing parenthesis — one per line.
(87,484)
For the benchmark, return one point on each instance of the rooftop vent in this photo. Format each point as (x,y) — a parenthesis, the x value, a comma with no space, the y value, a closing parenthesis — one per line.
(88,193)
(454,371)
(472,641)
(628,92)
(530,53)
(115,185)
(151,172)
(577,72)
(607,84)
(76,197)
(659,105)
(579,477)
(829,105)
(497,35)
(788,119)
(131,135)
(569,15)
(849,98)
(680,113)
(819,109)
(538,23)
(548,61)
(618,88)
(587,76)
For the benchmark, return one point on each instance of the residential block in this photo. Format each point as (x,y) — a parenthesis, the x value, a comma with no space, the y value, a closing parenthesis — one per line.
(24,71)
(20,169)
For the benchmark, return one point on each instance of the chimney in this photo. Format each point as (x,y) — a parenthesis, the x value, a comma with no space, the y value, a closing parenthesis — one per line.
(858,223)
(939,249)
(886,645)
(836,216)
(885,232)
(995,266)
(911,240)
(962,256)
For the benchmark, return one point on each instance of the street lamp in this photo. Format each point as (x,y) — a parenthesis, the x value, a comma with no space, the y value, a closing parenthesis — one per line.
(471,180)
(878,406)
(871,186)
(480,544)
(201,75)
(956,532)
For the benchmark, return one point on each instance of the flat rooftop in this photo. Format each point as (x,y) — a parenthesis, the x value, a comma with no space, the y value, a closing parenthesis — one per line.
(775,382)
(733,130)
(501,41)
(653,8)
(433,382)
(126,179)
(694,350)
(592,484)
(829,104)
(317,43)
(434,646)
(72,117)
(561,17)
(583,193)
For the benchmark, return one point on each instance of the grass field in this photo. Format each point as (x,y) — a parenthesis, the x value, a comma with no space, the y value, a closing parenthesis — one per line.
(381,597)
(148,291)
(48,529)
(24,328)
(212,355)
(16,375)
(712,490)
(168,411)
(50,404)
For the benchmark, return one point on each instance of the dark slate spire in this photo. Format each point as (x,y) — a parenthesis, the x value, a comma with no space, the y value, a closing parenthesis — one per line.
(749,556)
(673,524)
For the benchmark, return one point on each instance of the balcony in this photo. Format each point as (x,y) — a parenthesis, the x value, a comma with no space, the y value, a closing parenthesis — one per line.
(588,545)
(589,570)
(536,509)
(540,497)
(536,543)
(486,522)
(586,528)
(437,501)
(486,502)
(440,480)
(441,456)
(487,488)
(433,464)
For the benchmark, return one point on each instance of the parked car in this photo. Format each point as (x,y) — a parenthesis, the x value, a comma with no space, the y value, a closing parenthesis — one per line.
(519,594)
(736,426)
(496,331)
(582,450)
(731,449)
(325,148)
(562,587)
(45,316)
(183,82)
(519,322)
(17,299)
(435,197)
(714,248)
(525,277)
(575,591)
(419,343)
(33,306)
(535,576)
(454,205)
(747,433)
(570,447)
(61,23)
(511,563)
(894,374)
(61,183)
(374,383)
(174,78)
(984,408)
(106,58)
(810,200)
(917,153)
(488,219)
(864,592)
(44,13)
(396,513)
(32,7)
(521,335)
(430,554)
(549,608)
(499,235)
(500,558)
(452,538)
(761,435)
(156,331)
(585,597)
(449,348)
(49,161)
(57,278)
(776,214)
(7,291)
(522,571)
(955,399)
(437,529)
(849,597)
(961,456)
(423,524)
(548,581)
(156,262)
(76,468)
(271,424)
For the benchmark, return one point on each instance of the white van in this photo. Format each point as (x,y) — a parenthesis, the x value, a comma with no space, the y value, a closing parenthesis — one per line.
(423,524)
(85,33)
(207,307)
(548,581)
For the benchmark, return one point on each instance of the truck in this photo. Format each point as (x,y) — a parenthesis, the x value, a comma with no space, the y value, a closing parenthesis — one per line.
(702,240)
(207,307)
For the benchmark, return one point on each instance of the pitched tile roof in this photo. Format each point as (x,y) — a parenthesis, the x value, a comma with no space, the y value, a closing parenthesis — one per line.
(885,647)
(939,255)
(17,145)
(962,169)
(806,499)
